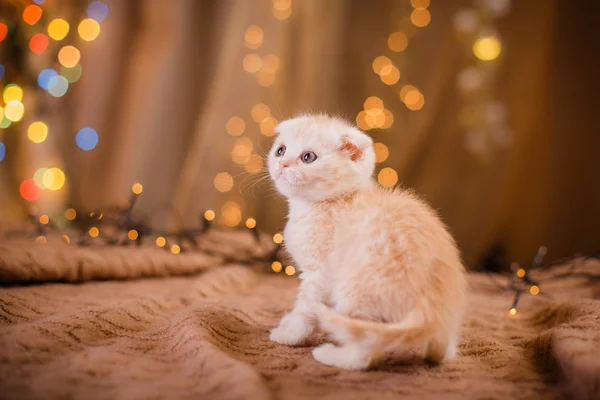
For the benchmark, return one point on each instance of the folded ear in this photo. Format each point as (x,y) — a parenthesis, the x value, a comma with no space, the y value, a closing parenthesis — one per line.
(355,143)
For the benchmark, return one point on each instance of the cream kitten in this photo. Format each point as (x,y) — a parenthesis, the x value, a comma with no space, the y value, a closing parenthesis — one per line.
(379,270)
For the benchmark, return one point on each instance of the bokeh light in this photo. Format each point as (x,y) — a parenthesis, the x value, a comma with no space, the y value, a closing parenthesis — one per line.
(388,119)
(132,234)
(5,122)
(3,31)
(397,42)
(94,232)
(252,63)
(282,9)
(267,126)
(254,164)
(12,92)
(235,126)
(53,179)
(387,177)
(253,37)
(223,182)
(420,17)
(276,266)
(41,239)
(44,219)
(270,63)
(137,188)
(290,270)
(420,4)
(29,191)
(250,223)
(38,43)
(259,112)
(231,213)
(534,290)
(381,62)
(487,48)
(32,14)
(58,86)
(1,113)
(161,241)
(278,238)
(86,139)
(58,29)
(265,78)
(361,121)
(70,214)
(414,100)
(88,29)
(39,2)
(242,148)
(209,215)
(37,132)
(1,70)
(69,56)
(97,10)
(390,75)
(72,74)
(373,105)
(175,249)
(45,76)
(381,152)
(14,111)
(2,151)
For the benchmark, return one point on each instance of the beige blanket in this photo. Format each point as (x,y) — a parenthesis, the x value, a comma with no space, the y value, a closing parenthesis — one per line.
(205,335)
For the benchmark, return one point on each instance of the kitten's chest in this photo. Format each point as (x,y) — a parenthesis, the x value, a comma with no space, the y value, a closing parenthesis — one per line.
(309,237)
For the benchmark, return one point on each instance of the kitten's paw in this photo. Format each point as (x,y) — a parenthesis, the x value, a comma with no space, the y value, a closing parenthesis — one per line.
(341,357)
(293,330)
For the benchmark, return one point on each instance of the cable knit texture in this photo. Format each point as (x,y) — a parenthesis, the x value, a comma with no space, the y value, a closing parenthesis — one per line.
(196,328)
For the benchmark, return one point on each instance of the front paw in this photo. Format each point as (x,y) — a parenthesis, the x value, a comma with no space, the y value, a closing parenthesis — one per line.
(293,330)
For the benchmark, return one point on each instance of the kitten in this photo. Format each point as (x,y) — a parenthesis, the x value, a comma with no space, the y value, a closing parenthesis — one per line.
(379,270)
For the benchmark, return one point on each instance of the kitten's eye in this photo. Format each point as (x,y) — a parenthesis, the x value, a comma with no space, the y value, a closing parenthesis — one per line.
(309,157)
(280,151)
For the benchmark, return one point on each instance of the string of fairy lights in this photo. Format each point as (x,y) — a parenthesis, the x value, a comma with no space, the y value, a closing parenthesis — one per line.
(50,39)
(482,116)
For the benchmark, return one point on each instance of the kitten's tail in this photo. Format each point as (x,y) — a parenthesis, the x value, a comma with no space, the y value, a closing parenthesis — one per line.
(411,331)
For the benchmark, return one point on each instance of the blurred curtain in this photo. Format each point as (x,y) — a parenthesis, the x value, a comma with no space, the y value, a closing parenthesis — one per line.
(163,79)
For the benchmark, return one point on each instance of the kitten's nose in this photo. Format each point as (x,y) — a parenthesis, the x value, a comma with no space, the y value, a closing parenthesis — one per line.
(285,164)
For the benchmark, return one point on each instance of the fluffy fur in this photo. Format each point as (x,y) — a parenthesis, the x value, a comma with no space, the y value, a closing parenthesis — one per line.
(379,270)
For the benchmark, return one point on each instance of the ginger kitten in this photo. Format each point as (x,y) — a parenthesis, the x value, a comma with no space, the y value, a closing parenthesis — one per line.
(379,270)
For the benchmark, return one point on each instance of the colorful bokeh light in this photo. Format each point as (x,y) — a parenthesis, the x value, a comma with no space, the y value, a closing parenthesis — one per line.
(3,31)
(53,179)
(37,132)
(1,71)
(72,74)
(45,76)
(69,56)
(97,10)
(32,14)
(38,43)
(58,86)
(29,191)
(2,151)
(87,139)
(12,92)
(88,29)
(14,111)
(38,177)
(58,29)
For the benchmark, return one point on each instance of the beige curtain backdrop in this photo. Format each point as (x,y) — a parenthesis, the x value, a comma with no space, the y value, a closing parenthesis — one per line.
(163,78)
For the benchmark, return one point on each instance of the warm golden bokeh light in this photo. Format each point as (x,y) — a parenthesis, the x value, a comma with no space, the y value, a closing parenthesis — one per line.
(420,17)
(88,29)
(231,213)
(175,249)
(388,119)
(253,37)
(381,62)
(290,270)
(276,266)
(267,126)
(137,188)
(420,4)
(259,112)
(390,75)
(161,241)
(32,14)
(235,126)
(66,238)
(223,182)
(250,223)
(44,219)
(534,290)
(487,48)
(373,105)
(270,63)
(387,177)
(265,78)
(37,132)
(361,121)
(254,164)
(14,111)
(132,234)
(278,238)
(53,179)
(414,100)
(513,311)
(397,42)
(381,152)
(252,63)
(58,29)
(282,9)
(521,272)
(242,148)
(69,56)
(70,214)
(12,93)
(94,232)
(209,215)
(41,239)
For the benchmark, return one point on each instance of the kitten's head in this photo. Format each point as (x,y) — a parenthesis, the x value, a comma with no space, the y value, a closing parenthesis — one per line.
(318,157)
